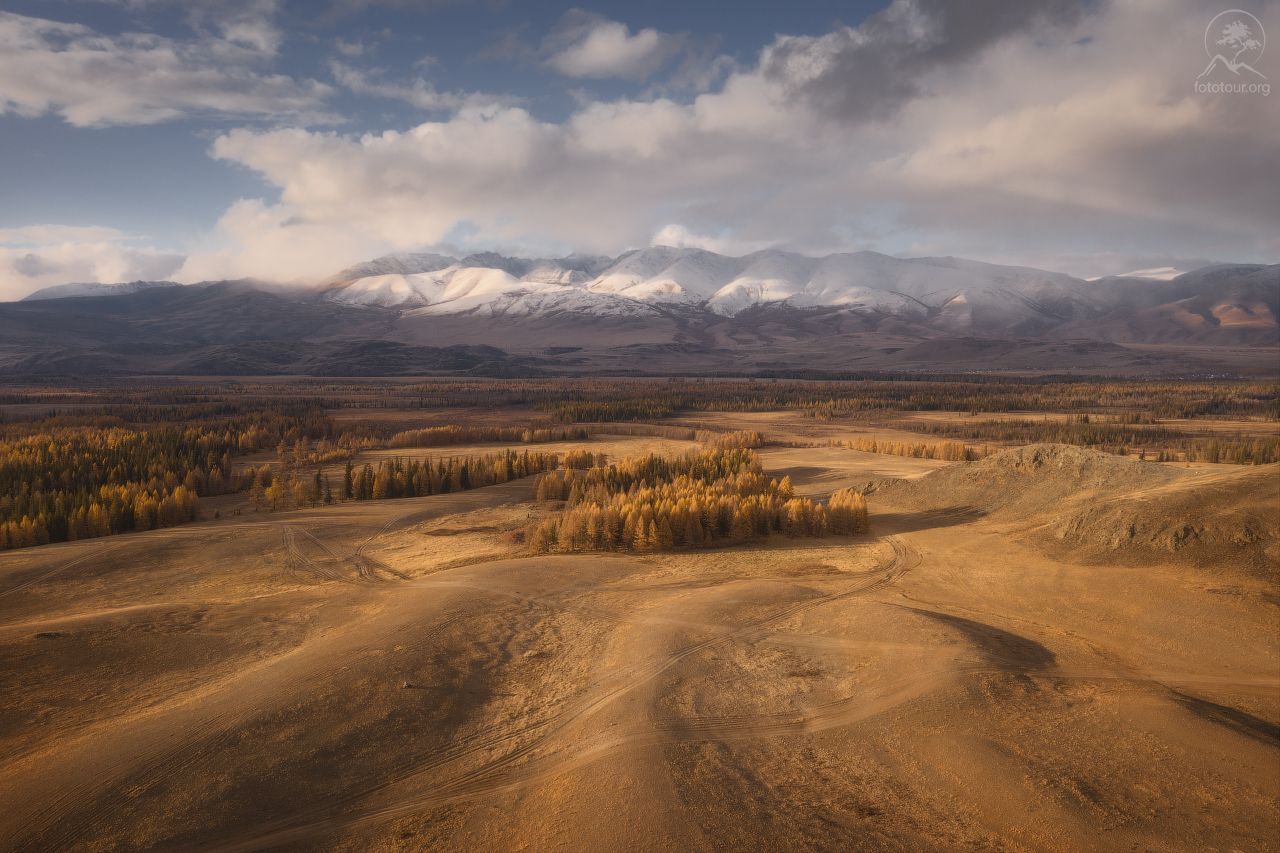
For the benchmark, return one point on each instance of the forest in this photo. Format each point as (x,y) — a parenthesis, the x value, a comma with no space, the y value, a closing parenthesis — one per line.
(65,477)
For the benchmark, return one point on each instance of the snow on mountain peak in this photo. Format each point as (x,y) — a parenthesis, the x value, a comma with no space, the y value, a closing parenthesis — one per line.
(403,263)
(967,292)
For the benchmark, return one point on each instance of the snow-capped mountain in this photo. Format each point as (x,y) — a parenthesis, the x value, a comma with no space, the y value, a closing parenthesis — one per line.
(952,293)
(654,310)
(66,291)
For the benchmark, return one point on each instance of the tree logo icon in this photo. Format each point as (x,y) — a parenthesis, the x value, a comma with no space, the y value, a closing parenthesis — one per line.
(1234,40)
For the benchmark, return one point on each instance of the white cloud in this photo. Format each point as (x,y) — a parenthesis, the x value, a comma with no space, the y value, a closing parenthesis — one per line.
(274,243)
(587,45)
(681,237)
(94,80)
(36,256)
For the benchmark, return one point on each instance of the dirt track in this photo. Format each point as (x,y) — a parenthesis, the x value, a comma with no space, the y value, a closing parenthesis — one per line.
(392,676)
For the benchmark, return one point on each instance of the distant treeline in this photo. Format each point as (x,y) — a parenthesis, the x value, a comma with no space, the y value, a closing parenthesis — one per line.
(700,499)
(452,434)
(1113,435)
(1140,401)
(439,436)
(570,400)
(951,451)
(273,489)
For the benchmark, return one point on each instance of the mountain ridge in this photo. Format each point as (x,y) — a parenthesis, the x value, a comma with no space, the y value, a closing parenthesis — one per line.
(654,310)
(946,294)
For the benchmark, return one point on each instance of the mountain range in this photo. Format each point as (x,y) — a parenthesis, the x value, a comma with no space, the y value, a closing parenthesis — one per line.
(655,310)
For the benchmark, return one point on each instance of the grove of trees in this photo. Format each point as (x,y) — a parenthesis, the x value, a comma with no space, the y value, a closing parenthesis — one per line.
(700,499)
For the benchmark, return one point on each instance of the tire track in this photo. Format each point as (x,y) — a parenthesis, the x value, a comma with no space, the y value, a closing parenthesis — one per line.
(62,568)
(302,561)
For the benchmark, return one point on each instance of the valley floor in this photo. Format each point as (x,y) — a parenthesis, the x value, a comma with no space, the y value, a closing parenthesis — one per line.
(395,675)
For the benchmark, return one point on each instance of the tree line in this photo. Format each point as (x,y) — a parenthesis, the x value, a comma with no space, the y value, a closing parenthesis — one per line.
(576,399)
(950,451)
(446,434)
(1114,435)
(273,489)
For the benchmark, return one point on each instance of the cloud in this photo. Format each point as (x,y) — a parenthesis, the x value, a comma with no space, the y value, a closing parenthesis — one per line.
(277,243)
(588,45)
(95,80)
(343,8)
(350,49)
(870,70)
(418,93)
(249,24)
(36,256)
(1036,141)
(675,234)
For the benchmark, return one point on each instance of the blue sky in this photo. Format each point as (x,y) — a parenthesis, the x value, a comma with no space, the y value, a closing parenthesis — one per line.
(283,140)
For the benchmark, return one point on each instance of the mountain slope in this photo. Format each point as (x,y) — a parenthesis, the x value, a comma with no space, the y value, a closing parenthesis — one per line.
(660,310)
(1228,305)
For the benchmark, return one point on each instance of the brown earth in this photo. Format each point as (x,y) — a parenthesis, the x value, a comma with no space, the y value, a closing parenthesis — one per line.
(396,676)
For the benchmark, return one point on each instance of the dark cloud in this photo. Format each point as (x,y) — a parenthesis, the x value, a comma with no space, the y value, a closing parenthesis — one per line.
(869,71)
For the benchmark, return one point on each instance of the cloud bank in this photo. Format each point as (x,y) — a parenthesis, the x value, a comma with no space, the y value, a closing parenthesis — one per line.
(915,132)
(1029,133)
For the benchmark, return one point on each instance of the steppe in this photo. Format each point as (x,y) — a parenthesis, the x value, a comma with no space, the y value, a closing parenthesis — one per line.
(1052,648)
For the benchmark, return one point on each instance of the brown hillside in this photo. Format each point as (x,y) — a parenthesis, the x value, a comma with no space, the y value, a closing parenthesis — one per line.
(1097,505)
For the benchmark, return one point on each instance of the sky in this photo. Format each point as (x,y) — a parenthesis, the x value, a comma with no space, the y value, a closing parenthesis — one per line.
(285,140)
